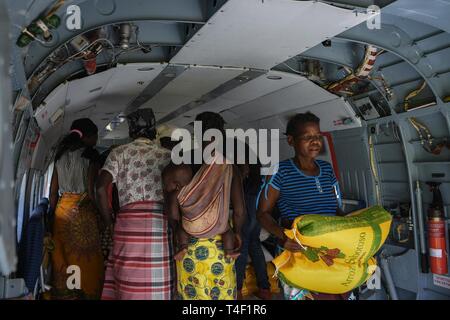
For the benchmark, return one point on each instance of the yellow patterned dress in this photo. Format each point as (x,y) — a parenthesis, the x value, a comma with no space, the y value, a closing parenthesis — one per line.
(205,273)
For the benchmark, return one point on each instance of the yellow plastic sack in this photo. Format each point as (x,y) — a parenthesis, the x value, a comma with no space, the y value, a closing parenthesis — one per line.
(250,286)
(338,251)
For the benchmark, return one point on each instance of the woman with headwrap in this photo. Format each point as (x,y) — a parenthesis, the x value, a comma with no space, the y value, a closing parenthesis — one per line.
(75,229)
(140,264)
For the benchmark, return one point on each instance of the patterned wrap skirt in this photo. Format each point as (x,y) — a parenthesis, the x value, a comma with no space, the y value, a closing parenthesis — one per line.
(140,265)
(77,260)
(205,273)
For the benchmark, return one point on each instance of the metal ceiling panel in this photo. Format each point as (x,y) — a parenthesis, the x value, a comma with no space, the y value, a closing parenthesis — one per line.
(432,12)
(303,94)
(272,81)
(328,112)
(259,34)
(190,86)
(46,111)
(251,90)
(100,96)
(301,97)
(127,82)
(113,88)
(83,93)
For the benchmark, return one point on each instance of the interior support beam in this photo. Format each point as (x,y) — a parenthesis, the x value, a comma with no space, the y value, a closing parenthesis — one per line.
(110,12)
(220,90)
(398,42)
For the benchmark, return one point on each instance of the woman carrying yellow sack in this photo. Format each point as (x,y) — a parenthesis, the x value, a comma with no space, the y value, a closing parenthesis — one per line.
(302,185)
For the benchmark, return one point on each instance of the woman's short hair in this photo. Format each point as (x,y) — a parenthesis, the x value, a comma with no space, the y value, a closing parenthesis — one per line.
(211,120)
(298,120)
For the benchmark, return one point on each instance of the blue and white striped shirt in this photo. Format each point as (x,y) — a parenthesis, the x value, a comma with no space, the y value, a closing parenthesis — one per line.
(303,194)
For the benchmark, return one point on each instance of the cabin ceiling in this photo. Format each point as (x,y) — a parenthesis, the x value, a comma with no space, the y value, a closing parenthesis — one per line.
(244,59)
(248,33)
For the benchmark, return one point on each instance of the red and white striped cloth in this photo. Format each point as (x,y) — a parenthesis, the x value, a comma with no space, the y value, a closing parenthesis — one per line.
(140,266)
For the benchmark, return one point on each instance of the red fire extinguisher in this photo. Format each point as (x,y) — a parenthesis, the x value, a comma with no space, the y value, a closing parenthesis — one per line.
(436,233)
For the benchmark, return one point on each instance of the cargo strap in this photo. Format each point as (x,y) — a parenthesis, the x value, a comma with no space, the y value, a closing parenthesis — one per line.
(277,267)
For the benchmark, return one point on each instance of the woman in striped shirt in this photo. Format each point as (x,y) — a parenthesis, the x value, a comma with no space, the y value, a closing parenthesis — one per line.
(301,185)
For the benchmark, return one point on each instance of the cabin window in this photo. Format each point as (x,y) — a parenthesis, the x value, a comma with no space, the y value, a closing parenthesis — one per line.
(47,180)
(33,194)
(21,206)
(35,190)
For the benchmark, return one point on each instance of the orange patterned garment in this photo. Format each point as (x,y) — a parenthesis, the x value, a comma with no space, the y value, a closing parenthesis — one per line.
(76,241)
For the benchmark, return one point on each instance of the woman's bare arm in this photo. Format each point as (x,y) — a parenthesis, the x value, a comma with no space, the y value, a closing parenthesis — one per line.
(264,216)
(104,180)
(264,212)
(237,201)
(171,177)
(92,178)
(173,210)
